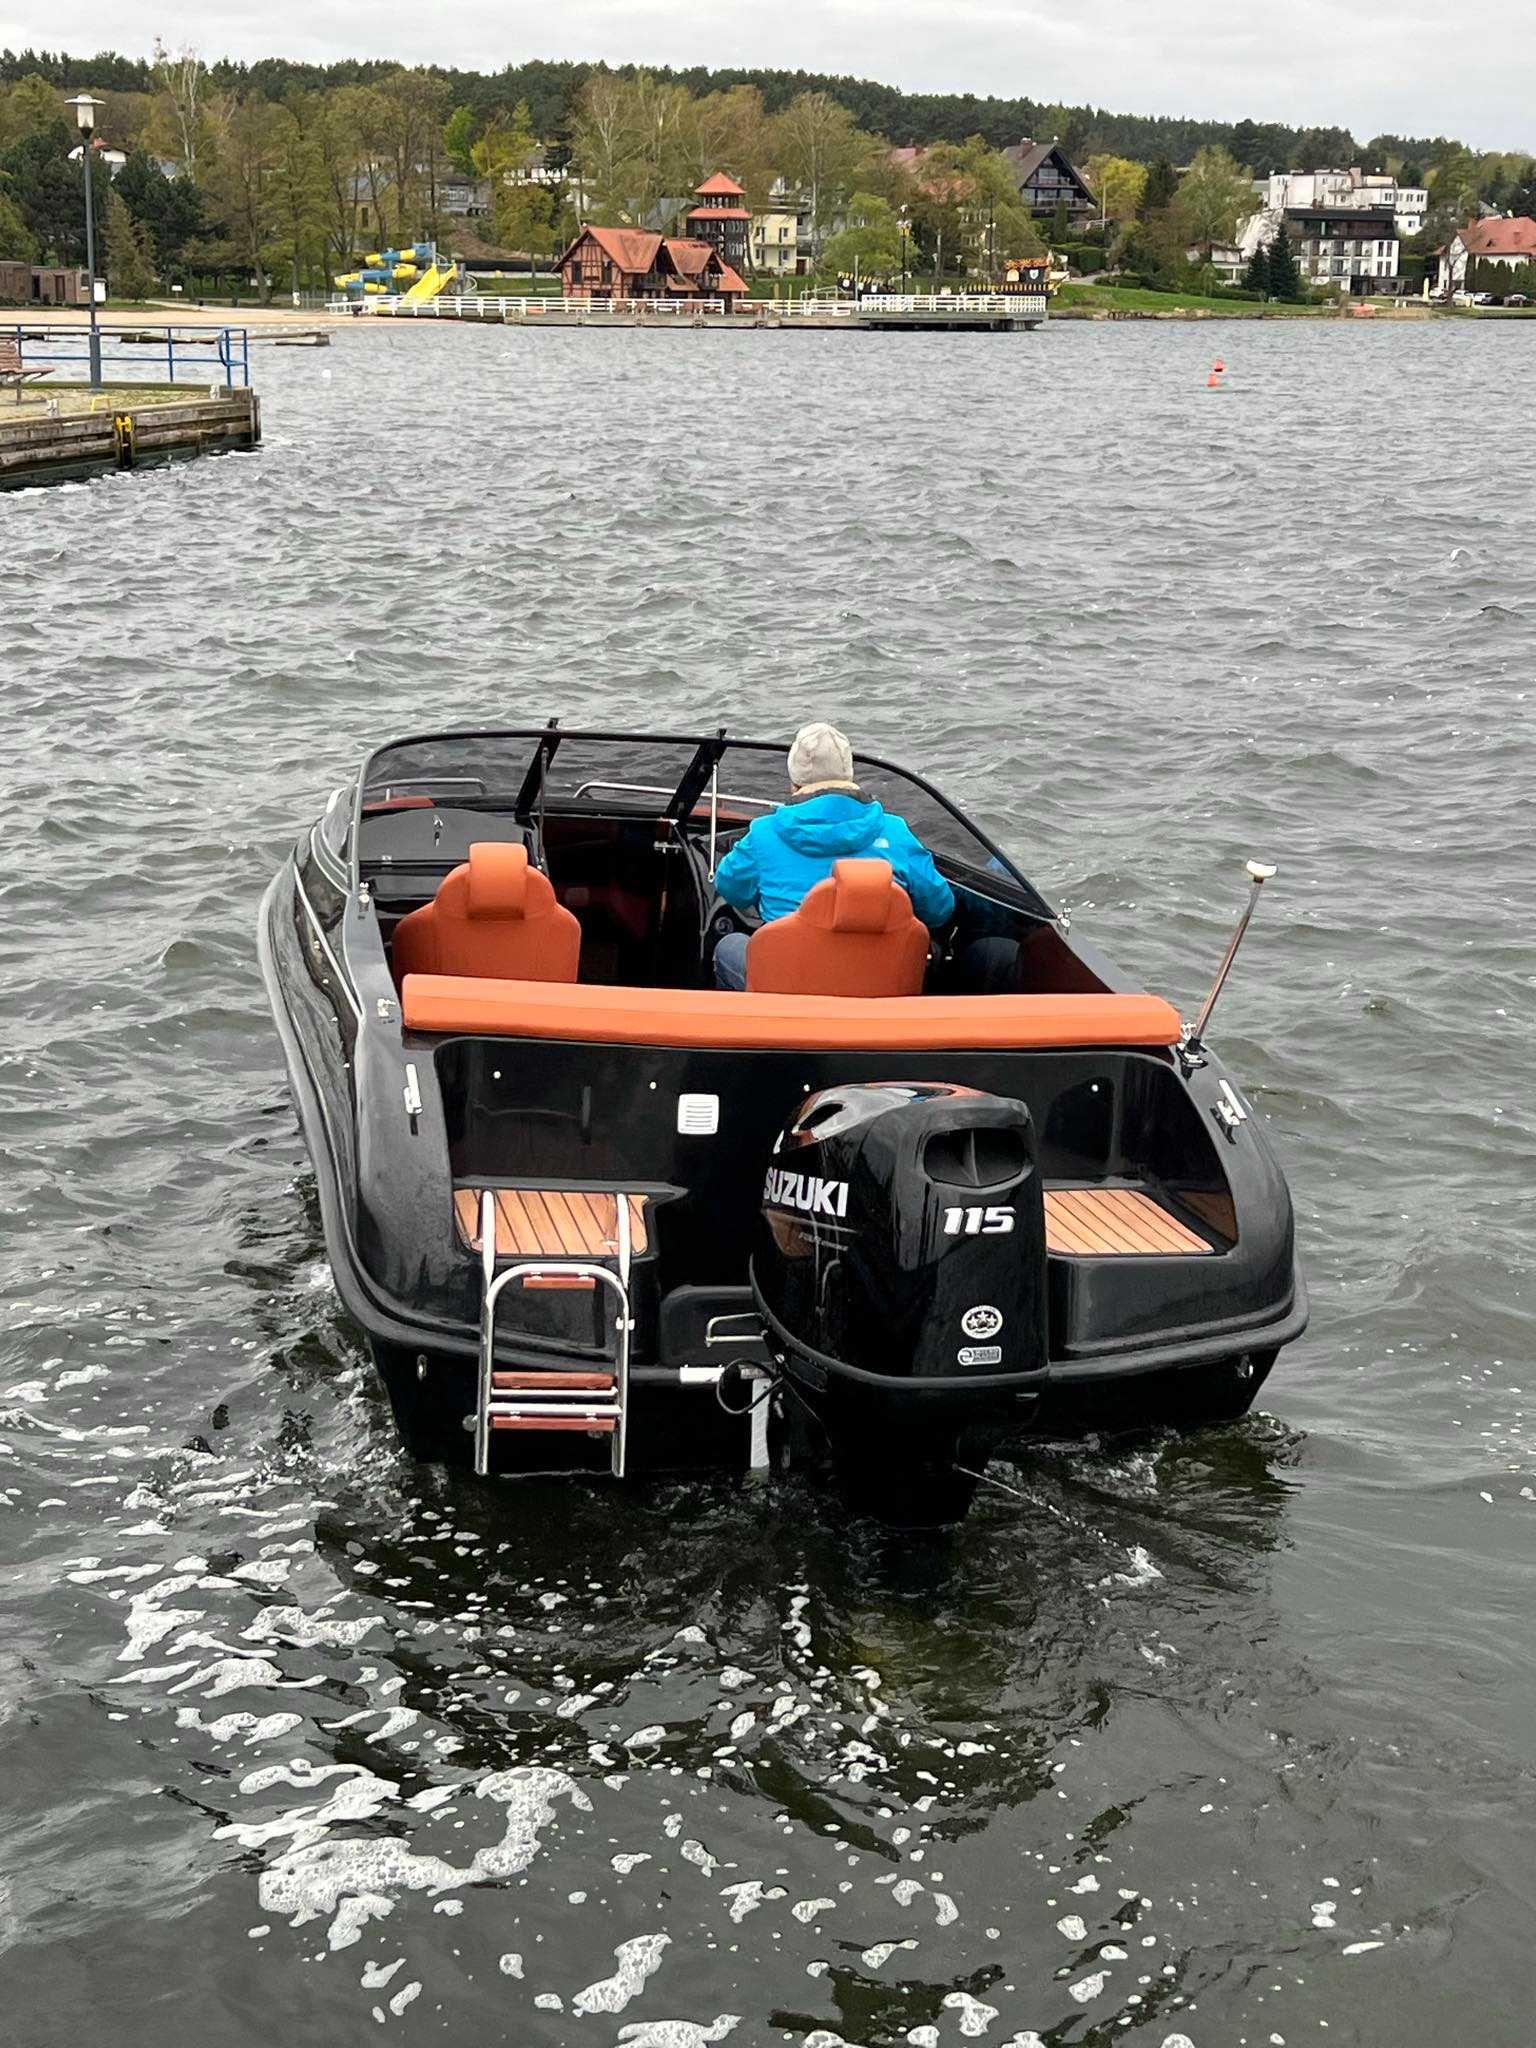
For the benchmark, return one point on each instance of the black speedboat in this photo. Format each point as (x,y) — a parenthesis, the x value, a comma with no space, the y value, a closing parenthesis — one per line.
(593,1212)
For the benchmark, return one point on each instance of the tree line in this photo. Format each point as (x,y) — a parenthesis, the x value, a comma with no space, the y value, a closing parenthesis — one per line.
(552,90)
(286,173)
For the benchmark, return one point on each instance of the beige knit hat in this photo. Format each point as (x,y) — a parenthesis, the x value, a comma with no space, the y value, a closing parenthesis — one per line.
(819,753)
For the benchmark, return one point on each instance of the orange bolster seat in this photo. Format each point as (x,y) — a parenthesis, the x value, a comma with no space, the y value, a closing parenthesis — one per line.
(722,1019)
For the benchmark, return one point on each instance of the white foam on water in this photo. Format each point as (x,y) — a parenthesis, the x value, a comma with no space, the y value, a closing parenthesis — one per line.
(376,1975)
(1360,1948)
(923,2037)
(625,1862)
(353,1915)
(906,1889)
(307,1631)
(678,2033)
(310,1882)
(511,1965)
(638,1960)
(362,1796)
(264,1571)
(805,1910)
(945,1911)
(695,1852)
(150,1623)
(403,1998)
(746,1897)
(876,1957)
(254,1727)
(1072,1927)
(975,2016)
(1088,1988)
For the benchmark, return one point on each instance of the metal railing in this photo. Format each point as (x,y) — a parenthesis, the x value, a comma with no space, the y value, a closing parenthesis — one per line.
(485,306)
(154,354)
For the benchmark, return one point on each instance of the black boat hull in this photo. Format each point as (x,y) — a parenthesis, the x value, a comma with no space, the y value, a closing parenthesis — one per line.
(400,1126)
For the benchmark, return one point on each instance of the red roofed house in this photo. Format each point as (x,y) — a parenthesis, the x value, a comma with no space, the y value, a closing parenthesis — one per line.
(1509,241)
(722,219)
(630,263)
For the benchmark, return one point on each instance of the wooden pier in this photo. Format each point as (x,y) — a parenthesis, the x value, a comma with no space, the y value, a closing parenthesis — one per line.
(55,439)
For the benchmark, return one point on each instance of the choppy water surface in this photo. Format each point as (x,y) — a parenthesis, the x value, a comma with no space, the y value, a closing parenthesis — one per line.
(1226,1740)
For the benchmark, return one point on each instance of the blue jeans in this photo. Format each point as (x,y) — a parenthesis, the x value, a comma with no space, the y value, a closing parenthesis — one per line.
(731,962)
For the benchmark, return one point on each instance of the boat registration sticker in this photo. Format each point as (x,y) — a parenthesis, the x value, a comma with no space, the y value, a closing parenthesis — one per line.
(980,1354)
(982,1321)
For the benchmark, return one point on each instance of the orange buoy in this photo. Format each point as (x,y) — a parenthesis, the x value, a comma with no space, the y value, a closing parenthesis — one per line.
(1218,371)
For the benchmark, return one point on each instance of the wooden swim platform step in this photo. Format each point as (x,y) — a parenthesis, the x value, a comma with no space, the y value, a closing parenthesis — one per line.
(1108,1223)
(552,1223)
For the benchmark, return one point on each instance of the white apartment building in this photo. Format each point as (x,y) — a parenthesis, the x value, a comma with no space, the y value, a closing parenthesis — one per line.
(1353,250)
(1352,189)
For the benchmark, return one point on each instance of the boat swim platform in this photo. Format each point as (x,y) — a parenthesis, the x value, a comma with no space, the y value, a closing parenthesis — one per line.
(65,433)
(1082,1222)
(558,1223)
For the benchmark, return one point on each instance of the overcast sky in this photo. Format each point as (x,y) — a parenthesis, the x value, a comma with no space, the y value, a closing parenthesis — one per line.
(1419,68)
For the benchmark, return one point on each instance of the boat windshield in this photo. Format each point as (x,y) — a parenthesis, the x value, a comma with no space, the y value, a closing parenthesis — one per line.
(556,770)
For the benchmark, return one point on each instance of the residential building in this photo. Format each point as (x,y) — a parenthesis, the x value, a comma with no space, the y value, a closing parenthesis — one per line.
(1351,189)
(461,197)
(1508,241)
(722,219)
(632,263)
(775,244)
(1047,178)
(1353,250)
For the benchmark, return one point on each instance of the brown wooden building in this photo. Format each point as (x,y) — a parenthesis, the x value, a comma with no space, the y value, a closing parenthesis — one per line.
(722,219)
(630,263)
(32,284)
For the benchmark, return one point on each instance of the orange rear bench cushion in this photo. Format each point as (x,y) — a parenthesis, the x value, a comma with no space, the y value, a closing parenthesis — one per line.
(722,1019)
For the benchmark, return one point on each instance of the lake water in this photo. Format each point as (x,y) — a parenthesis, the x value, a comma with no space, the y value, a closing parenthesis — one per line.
(1223,1740)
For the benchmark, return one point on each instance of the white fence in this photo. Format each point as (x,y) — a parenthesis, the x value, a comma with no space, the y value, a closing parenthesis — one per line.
(519,306)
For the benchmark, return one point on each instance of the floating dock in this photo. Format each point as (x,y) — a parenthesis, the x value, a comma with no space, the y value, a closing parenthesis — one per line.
(140,427)
(940,312)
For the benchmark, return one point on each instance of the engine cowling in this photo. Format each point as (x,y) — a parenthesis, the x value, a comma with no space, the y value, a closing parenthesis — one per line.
(902,1234)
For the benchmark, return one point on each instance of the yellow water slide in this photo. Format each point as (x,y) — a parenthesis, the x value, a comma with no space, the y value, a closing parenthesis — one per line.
(428,286)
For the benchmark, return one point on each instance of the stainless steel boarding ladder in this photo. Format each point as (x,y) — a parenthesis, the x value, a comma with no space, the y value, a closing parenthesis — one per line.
(580,1402)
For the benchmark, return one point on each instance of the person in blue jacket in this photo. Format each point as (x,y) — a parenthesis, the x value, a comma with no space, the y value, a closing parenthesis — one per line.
(787,852)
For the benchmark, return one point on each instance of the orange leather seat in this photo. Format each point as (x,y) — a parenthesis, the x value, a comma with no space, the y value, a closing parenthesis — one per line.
(494,918)
(854,935)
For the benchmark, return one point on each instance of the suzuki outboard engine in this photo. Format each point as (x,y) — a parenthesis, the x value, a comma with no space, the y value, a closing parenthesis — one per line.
(900,1273)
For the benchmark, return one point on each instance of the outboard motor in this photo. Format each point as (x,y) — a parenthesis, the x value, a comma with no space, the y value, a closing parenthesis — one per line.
(900,1273)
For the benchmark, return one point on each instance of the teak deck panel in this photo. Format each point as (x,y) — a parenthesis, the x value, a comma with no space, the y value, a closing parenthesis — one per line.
(1105,1223)
(544,1223)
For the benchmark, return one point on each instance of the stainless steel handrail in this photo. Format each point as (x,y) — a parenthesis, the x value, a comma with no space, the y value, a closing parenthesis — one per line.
(544,1269)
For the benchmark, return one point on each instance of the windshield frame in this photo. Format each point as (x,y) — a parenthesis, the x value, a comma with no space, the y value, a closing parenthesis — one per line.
(994,866)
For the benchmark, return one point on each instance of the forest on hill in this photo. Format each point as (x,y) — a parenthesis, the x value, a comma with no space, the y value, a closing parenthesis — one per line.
(551,92)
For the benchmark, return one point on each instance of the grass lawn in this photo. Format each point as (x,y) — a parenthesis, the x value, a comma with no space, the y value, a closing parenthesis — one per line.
(1116,298)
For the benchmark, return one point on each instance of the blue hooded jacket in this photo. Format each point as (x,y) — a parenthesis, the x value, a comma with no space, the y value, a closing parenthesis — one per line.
(787,852)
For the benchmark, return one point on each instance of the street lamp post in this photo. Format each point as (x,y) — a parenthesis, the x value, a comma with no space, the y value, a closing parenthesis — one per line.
(904,232)
(85,120)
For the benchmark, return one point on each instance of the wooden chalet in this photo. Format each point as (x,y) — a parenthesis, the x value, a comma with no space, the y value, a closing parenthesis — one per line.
(1047,178)
(630,263)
